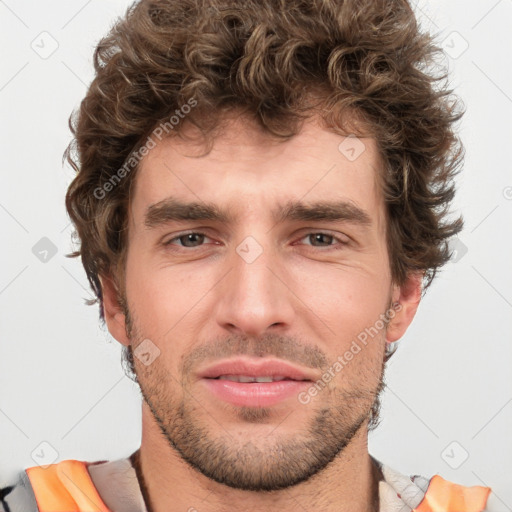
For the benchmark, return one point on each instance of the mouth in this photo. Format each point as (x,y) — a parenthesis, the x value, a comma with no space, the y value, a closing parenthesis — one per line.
(255,383)
(256,370)
(262,378)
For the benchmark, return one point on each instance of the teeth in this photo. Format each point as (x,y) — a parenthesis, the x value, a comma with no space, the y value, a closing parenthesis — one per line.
(265,379)
(245,378)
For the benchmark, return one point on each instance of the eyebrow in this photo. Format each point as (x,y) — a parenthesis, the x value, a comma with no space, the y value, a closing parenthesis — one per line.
(323,211)
(172,209)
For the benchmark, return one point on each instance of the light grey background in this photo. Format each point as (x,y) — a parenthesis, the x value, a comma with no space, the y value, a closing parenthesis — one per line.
(61,384)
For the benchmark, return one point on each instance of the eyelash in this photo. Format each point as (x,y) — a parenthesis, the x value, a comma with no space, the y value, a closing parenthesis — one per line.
(341,242)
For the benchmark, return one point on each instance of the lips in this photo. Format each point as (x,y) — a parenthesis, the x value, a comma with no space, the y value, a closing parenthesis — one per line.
(255,383)
(247,378)
(256,369)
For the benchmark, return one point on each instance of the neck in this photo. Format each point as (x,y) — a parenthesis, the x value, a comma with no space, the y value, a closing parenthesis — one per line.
(168,483)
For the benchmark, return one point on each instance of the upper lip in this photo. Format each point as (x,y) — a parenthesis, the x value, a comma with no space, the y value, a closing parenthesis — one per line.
(255,368)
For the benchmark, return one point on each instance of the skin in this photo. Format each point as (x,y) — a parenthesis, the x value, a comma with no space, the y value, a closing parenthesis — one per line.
(304,299)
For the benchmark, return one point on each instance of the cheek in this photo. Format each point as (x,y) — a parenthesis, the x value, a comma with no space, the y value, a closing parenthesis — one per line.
(165,298)
(344,294)
(350,303)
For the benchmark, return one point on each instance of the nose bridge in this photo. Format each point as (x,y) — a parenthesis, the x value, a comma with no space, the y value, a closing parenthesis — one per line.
(252,298)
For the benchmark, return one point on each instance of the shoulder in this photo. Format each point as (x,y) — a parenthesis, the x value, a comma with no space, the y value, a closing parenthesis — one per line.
(398,492)
(111,485)
(42,486)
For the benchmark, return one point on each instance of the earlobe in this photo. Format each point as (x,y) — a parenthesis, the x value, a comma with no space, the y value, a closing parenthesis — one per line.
(113,312)
(408,296)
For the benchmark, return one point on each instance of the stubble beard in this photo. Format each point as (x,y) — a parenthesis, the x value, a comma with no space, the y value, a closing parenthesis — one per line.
(274,462)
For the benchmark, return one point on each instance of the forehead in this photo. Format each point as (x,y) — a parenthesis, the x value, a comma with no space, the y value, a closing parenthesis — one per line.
(247,172)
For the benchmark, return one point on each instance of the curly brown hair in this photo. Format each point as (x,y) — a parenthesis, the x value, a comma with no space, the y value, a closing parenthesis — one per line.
(279,62)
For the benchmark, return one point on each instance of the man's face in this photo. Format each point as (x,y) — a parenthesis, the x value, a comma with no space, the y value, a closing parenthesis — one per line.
(285,263)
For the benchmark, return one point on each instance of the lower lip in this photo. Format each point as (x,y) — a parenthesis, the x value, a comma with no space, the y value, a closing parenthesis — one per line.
(255,394)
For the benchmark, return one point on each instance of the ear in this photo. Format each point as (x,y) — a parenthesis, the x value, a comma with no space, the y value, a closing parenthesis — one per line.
(408,297)
(113,312)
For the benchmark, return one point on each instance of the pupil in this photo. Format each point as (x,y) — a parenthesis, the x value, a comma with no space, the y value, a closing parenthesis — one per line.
(192,239)
(322,239)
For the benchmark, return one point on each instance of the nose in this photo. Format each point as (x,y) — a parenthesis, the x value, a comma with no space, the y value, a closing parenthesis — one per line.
(254,297)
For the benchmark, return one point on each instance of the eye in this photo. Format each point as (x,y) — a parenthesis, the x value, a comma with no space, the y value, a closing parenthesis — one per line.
(193,239)
(321,239)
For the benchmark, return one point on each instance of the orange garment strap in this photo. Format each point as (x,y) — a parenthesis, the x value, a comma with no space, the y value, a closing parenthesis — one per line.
(64,487)
(443,496)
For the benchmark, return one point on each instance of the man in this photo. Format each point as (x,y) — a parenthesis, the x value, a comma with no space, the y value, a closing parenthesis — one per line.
(260,198)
